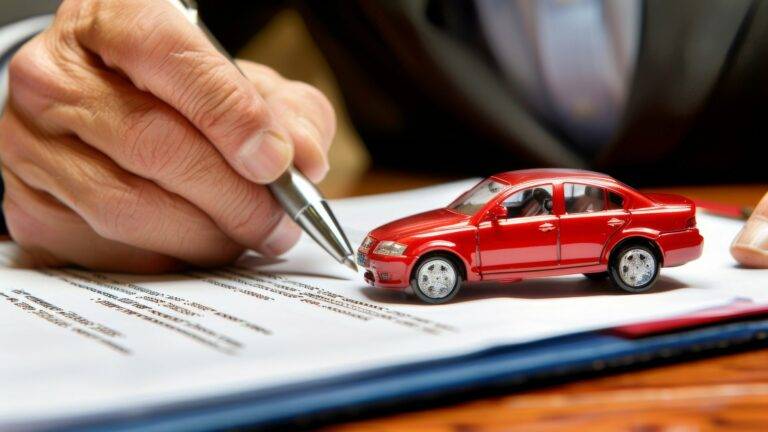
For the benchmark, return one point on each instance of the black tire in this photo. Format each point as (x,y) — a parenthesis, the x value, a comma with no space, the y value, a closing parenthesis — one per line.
(596,276)
(436,295)
(634,262)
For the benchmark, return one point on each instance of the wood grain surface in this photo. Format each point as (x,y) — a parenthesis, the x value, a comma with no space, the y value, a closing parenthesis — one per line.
(727,392)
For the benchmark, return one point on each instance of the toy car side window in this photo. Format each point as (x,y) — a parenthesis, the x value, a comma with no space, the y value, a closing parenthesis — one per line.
(615,201)
(534,201)
(582,198)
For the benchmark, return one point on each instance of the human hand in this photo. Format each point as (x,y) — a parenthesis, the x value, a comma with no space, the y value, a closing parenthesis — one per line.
(130,144)
(750,247)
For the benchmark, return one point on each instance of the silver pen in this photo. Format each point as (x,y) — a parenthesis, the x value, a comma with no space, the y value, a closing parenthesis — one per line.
(297,195)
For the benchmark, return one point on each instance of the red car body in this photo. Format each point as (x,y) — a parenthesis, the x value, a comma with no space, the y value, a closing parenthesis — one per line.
(490,247)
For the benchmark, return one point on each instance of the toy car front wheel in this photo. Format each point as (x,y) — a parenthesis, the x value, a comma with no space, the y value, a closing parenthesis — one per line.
(436,279)
(634,268)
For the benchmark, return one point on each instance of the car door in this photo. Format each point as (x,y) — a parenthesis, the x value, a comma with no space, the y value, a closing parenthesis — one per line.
(523,238)
(592,215)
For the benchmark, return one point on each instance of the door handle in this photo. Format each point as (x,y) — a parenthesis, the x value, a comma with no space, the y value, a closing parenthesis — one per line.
(546,227)
(615,222)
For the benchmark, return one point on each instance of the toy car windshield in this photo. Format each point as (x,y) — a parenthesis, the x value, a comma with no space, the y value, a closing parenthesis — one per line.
(476,198)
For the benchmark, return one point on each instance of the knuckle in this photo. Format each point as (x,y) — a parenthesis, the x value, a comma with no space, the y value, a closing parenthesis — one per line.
(12,150)
(73,17)
(151,139)
(157,30)
(197,166)
(161,146)
(25,229)
(253,217)
(314,95)
(312,102)
(118,27)
(22,62)
(39,77)
(139,126)
(239,117)
(27,69)
(91,18)
(221,106)
(71,10)
(7,141)
(119,214)
(21,227)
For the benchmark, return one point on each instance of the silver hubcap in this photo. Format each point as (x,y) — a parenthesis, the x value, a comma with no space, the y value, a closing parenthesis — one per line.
(436,278)
(637,267)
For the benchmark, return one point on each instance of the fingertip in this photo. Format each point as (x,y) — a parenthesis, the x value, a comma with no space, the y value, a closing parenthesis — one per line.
(750,247)
(749,256)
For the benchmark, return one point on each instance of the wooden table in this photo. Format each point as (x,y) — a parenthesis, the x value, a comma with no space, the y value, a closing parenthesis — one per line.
(728,392)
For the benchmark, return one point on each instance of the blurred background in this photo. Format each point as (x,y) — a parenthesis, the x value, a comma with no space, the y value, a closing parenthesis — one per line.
(654,92)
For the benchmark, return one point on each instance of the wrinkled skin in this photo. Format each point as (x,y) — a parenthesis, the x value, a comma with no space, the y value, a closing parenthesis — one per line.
(130,144)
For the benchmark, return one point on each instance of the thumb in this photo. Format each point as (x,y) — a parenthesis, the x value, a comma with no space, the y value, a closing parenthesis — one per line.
(750,247)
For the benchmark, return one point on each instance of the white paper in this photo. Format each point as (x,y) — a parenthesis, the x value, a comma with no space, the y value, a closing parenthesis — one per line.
(83,344)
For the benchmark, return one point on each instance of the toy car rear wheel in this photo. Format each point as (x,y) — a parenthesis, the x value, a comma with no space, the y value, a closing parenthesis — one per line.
(634,268)
(436,279)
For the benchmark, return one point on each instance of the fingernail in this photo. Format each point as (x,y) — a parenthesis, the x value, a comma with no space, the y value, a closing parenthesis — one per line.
(320,167)
(266,156)
(750,247)
(282,238)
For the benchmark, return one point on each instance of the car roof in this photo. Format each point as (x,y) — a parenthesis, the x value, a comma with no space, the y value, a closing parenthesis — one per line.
(523,176)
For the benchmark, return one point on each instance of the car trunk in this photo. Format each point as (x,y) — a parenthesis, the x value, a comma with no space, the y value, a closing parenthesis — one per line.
(686,209)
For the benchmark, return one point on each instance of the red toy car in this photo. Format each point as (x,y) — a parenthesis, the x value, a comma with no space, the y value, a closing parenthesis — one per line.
(534,223)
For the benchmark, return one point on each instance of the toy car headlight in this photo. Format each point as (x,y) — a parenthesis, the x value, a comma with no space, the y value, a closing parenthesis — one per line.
(390,248)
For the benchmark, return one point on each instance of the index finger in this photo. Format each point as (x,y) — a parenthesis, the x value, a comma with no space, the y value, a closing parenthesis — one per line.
(163,53)
(750,247)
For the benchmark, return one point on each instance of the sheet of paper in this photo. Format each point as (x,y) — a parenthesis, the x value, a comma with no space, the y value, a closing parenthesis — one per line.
(78,344)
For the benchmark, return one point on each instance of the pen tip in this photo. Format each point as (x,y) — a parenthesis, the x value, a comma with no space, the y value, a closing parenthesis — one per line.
(350,263)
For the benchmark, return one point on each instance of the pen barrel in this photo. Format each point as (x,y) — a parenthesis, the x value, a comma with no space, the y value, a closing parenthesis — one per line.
(304,204)
(295,192)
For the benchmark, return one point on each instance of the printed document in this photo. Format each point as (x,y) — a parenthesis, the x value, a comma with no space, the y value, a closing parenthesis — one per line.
(78,344)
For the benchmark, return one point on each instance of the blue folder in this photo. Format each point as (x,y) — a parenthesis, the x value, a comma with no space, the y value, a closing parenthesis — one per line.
(506,366)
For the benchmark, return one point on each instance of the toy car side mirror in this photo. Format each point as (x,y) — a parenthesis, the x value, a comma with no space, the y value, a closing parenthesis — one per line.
(496,213)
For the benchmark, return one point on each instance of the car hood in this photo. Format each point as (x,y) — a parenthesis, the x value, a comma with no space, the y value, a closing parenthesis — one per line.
(421,223)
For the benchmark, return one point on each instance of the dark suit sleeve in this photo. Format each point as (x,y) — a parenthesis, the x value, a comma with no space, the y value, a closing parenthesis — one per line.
(235,22)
